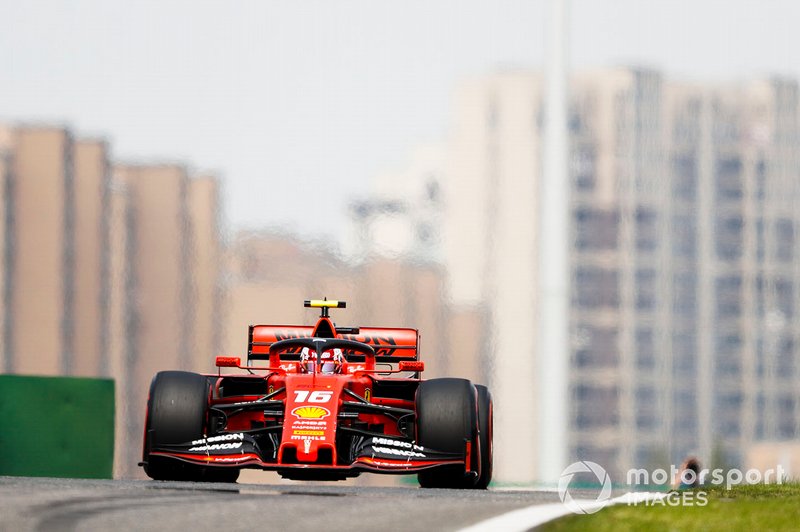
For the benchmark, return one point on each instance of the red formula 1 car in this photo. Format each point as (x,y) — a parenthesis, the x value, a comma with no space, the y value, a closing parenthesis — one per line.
(329,404)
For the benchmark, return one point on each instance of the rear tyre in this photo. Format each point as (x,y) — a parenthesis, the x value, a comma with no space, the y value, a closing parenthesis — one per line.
(446,417)
(485,428)
(176,413)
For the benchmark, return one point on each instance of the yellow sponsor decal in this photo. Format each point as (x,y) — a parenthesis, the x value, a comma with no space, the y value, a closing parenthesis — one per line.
(308,432)
(311,412)
(367,394)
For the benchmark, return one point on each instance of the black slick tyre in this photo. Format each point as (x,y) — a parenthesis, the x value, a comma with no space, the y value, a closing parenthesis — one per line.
(176,413)
(446,418)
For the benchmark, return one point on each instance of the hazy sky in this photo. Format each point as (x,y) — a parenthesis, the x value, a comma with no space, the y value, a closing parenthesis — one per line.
(299,104)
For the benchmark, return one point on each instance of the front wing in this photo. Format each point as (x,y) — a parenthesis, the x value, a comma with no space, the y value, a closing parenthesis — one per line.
(377,454)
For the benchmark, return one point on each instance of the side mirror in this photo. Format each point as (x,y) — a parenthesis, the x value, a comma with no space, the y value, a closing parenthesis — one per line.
(408,365)
(228,362)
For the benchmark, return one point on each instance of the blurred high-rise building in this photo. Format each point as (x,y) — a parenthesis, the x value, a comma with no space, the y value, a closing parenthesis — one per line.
(90,257)
(619,312)
(159,265)
(683,220)
(735,195)
(39,259)
(104,275)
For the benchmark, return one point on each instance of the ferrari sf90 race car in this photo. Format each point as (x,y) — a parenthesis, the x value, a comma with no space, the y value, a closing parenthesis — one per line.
(320,403)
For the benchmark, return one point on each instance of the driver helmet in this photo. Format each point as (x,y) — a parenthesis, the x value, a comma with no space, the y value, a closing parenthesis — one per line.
(331,361)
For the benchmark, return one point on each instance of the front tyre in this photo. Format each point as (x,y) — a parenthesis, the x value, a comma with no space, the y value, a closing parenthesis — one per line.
(446,418)
(177,409)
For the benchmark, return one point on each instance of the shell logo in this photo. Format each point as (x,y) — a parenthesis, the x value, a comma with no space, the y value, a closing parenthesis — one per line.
(311,412)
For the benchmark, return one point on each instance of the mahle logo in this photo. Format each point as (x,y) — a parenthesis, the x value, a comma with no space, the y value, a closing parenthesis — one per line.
(584,506)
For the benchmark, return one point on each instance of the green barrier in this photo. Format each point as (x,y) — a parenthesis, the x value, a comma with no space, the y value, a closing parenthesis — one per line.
(56,426)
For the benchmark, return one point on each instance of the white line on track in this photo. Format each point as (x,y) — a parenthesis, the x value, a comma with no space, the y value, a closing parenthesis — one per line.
(533,516)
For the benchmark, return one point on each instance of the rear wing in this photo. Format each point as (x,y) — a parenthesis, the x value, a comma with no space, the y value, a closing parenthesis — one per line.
(391,345)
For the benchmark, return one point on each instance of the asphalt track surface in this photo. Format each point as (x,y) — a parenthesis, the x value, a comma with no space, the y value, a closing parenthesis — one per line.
(48,504)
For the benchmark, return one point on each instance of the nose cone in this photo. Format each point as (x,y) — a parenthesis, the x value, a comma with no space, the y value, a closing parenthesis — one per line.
(309,429)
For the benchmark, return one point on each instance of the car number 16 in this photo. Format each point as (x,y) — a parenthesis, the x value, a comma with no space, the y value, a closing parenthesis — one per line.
(317,396)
